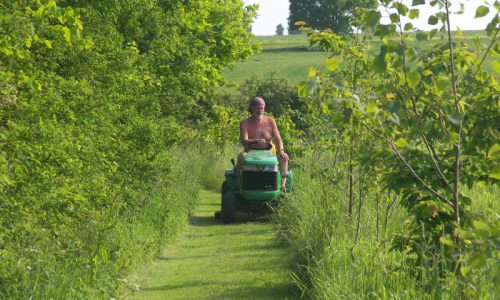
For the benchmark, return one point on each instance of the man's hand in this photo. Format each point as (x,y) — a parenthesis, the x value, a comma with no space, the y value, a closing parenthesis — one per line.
(260,142)
(282,153)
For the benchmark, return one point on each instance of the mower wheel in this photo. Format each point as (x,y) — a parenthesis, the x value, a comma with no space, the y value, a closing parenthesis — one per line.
(228,208)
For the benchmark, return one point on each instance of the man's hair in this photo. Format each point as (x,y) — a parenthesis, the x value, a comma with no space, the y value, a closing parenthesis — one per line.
(253,102)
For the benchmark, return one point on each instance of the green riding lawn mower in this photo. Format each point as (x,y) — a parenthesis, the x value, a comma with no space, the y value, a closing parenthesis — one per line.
(258,188)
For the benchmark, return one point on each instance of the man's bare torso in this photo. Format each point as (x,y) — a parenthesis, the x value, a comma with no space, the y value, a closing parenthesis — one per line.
(258,129)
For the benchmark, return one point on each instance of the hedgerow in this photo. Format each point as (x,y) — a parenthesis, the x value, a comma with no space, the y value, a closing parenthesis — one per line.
(94,98)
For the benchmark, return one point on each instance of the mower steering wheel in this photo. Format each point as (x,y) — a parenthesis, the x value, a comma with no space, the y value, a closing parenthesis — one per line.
(268,146)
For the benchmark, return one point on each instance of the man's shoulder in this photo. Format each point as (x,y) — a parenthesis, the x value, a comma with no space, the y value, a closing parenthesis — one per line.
(245,121)
(270,120)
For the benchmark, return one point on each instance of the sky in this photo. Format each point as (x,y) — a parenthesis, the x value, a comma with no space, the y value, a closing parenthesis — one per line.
(274,12)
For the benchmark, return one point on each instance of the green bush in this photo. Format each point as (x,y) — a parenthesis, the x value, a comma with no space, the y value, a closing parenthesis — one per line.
(94,98)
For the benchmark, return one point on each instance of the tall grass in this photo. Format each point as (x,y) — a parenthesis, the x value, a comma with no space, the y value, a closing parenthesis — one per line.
(212,161)
(337,258)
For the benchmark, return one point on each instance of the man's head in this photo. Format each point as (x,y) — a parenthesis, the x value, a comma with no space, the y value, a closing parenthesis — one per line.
(256,107)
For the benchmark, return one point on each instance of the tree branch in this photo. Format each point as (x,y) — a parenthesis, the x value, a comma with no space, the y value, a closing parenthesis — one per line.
(487,51)
(430,149)
(459,131)
(412,171)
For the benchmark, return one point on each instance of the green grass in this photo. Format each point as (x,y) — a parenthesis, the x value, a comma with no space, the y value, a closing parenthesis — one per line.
(217,261)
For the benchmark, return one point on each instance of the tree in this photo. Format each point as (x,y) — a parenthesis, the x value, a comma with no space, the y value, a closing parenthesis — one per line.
(432,111)
(322,14)
(279,29)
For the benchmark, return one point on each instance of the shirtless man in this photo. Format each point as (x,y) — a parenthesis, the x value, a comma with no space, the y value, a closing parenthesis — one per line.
(262,130)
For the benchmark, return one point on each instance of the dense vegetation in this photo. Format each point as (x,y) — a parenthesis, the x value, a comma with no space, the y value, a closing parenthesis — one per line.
(410,127)
(94,95)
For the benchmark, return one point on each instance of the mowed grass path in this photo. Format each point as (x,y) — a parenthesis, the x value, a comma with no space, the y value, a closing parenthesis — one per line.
(218,261)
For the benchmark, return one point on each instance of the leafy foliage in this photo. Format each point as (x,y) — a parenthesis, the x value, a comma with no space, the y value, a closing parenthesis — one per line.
(426,115)
(94,95)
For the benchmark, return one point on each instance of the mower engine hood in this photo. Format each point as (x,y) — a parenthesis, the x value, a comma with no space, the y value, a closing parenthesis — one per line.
(260,157)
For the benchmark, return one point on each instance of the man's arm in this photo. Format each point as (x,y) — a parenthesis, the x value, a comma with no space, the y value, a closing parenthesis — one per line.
(279,143)
(243,134)
(276,136)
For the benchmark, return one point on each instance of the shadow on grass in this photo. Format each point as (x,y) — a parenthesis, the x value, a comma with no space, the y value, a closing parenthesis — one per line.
(240,219)
(242,256)
(289,49)
(262,291)
(203,221)
(188,284)
(278,291)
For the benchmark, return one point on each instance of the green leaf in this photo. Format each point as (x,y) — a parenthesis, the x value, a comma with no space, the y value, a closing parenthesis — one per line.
(494,151)
(481,11)
(401,143)
(27,42)
(371,108)
(394,118)
(414,14)
(476,262)
(496,66)
(447,240)
(372,18)
(7,51)
(455,118)
(427,73)
(413,78)
(408,26)
(452,138)
(433,20)
(67,34)
(332,64)
(48,43)
(417,2)
(302,89)
(312,72)
(394,18)
(442,83)
(401,8)
(495,173)
(492,26)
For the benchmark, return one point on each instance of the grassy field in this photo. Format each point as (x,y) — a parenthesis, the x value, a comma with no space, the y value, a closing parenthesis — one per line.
(284,56)
(290,56)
